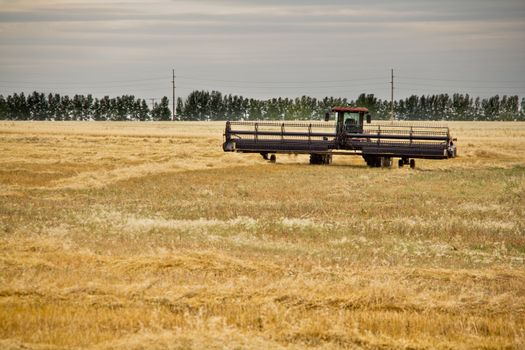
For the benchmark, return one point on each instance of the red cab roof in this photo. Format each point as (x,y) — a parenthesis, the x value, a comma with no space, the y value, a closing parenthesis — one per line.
(350,109)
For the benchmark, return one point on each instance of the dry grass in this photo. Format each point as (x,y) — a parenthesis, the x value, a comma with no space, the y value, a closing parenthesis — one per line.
(147,235)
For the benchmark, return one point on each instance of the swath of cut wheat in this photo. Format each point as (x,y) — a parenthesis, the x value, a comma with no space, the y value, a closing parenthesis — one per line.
(147,235)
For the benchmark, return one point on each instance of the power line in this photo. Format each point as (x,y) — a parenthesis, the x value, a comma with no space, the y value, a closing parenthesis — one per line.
(287,87)
(75,85)
(215,87)
(463,80)
(139,86)
(92,85)
(81,83)
(103,82)
(466,87)
(282,82)
(33,87)
(187,78)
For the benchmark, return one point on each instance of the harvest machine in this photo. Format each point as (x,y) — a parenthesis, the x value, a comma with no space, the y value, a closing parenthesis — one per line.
(377,143)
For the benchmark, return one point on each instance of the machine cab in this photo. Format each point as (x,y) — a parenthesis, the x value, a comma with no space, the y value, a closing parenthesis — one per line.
(350,119)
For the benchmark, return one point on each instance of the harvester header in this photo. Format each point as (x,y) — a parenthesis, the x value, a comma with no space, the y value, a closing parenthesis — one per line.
(353,133)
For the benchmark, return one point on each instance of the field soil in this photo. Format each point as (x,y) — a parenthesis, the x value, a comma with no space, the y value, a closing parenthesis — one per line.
(147,236)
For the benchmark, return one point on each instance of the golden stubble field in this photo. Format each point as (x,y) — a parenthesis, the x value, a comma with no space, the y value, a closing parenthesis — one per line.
(148,236)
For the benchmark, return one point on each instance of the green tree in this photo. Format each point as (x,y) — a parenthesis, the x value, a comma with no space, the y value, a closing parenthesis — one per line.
(21,107)
(3,108)
(180,108)
(38,107)
(509,108)
(96,114)
(105,109)
(369,101)
(197,105)
(215,108)
(254,109)
(522,109)
(144,110)
(491,108)
(161,111)
(87,107)
(53,103)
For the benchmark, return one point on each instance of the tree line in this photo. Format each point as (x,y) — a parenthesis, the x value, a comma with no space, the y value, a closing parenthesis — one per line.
(205,105)
(38,106)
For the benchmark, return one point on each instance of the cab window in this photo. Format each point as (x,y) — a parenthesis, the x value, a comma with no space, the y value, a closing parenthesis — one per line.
(351,120)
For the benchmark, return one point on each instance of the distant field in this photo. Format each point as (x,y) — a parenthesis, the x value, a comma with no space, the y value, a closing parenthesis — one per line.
(146,235)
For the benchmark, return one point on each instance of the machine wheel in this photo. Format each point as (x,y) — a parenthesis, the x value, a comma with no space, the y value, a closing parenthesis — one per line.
(373,162)
(315,158)
(400,163)
(273,158)
(320,158)
(386,162)
(265,156)
(412,163)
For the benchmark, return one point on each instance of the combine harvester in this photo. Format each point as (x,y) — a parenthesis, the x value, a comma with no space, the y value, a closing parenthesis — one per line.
(378,144)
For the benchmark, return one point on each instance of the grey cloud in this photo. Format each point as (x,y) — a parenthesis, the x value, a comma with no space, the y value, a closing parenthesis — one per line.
(312,11)
(261,40)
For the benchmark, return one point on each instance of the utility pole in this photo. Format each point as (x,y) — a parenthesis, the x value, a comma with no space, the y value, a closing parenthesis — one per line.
(392,96)
(174,111)
(152,102)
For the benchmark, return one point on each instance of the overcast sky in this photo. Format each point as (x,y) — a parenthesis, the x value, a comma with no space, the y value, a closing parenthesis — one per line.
(262,48)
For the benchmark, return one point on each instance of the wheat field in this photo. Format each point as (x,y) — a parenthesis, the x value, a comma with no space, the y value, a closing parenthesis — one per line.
(147,236)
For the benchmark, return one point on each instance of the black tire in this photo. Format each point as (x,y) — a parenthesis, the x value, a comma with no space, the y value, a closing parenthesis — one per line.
(373,162)
(273,158)
(315,159)
(412,163)
(320,158)
(400,163)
